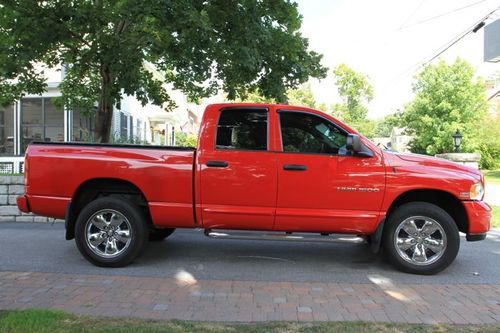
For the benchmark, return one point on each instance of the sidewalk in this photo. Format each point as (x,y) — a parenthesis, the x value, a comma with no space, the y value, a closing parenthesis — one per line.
(245,301)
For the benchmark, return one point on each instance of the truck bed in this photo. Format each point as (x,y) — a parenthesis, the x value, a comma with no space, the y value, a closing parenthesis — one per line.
(163,174)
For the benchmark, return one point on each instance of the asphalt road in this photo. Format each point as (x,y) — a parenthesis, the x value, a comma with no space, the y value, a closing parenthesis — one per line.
(42,248)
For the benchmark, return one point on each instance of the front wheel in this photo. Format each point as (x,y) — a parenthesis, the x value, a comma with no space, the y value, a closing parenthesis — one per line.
(421,238)
(111,232)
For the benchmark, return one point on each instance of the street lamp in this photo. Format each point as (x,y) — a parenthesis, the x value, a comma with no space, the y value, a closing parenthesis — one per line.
(457,140)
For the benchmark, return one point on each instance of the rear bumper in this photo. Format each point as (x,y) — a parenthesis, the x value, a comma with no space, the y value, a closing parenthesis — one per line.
(479,217)
(22,204)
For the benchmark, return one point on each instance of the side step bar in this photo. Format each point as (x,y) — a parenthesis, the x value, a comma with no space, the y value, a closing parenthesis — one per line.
(281,236)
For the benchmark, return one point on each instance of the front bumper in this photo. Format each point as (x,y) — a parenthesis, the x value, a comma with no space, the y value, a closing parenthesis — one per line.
(479,217)
(22,204)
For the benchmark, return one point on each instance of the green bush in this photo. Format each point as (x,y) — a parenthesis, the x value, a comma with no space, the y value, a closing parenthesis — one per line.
(489,142)
(490,156)
(134,140)
(186,140)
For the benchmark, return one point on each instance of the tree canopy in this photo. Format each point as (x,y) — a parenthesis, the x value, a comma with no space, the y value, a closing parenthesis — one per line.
(300,96)
(384,126)
(197,46)
(447,98)
(355,92)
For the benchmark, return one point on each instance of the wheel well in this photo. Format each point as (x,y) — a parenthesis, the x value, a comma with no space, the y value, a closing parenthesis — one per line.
(444,200)
(95,188)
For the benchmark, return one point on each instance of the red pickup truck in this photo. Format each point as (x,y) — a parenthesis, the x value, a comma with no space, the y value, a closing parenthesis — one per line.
(260,171)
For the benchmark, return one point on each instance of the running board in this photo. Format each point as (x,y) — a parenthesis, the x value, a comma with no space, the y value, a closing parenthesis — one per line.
(280,236)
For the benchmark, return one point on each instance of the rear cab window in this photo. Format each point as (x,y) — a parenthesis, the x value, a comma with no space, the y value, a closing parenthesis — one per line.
(242,129)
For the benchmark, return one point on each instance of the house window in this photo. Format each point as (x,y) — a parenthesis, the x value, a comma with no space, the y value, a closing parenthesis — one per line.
(7,130)
(83,126)
(138,130)
(40,121)
(123,126)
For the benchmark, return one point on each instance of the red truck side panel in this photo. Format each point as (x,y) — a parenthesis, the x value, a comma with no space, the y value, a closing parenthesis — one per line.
(163,176)
(241,195)
(335,194)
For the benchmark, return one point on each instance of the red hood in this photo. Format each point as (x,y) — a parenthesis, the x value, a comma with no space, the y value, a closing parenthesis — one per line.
(437,164)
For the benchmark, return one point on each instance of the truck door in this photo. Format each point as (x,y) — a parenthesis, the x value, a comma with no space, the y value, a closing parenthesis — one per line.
(238,177)
(320,188)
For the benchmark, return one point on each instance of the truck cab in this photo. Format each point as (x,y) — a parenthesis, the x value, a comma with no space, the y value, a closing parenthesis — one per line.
(284,168)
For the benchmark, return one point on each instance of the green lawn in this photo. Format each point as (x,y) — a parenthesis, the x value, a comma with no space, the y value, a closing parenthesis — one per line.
(47,321)
(495,222)
(492,176)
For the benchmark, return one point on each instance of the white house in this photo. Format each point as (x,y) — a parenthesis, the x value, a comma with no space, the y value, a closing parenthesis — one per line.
(400,140)
(35,118)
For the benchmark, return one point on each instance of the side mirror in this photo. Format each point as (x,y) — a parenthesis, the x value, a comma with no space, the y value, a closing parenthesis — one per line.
(353,144)
(356,148)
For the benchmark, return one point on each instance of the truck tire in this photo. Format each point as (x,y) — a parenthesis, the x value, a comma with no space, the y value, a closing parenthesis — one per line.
(421,238)
(157,235)
(111,232)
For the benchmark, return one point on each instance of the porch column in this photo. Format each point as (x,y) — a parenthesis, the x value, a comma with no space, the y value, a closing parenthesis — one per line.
(68,124)
(17,128)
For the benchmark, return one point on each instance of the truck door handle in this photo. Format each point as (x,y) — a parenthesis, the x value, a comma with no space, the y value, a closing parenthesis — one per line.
(294,167)
(217,164)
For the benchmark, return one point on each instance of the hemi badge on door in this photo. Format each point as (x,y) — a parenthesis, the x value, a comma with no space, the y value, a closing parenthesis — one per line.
(359,189)
(368,189)
(346,189)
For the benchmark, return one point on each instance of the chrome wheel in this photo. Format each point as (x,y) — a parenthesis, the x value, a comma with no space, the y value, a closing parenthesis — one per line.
(420,240)
(108,233)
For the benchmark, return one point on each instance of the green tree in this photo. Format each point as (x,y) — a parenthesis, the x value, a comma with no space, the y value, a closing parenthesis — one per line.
(383,127)
(355,91)
(489,142)
(253,97)
(323,107)
(108,48)
(447,98)
(301,96)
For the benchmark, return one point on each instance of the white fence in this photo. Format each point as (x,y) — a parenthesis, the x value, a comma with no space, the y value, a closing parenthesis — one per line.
(11,165)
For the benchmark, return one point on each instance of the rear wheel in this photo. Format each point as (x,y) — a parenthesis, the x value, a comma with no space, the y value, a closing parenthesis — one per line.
(157,235)
(111,232)
(421,238)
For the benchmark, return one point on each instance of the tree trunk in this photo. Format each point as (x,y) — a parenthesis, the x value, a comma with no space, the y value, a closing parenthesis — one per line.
(104,114)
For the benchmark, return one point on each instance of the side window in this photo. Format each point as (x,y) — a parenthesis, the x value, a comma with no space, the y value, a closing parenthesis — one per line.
(244,129)
(308,133)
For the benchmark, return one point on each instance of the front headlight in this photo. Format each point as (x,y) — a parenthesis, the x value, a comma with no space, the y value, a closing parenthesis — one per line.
(476,192)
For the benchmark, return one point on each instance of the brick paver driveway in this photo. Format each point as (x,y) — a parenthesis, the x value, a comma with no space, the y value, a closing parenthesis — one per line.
(194,278)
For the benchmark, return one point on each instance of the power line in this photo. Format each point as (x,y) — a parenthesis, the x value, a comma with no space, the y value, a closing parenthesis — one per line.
(441,15)
(474,28)
(412,14)
(447,45)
